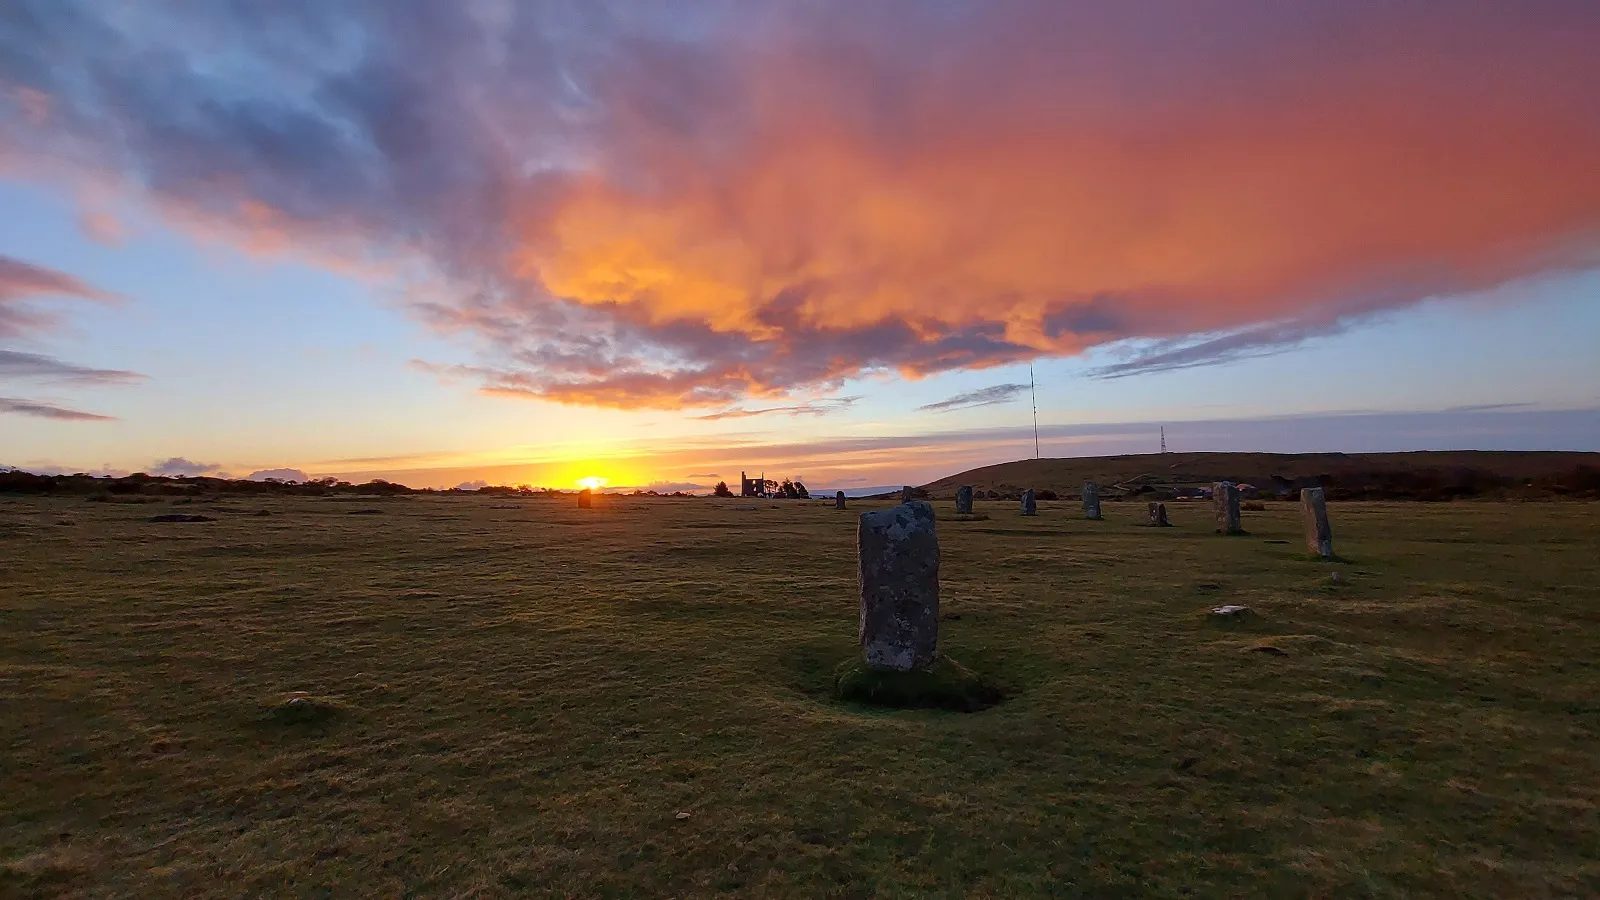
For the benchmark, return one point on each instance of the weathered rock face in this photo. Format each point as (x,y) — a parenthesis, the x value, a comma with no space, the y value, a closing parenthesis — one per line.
(1029,507)
(585,499)
(1158,515)
(899,570)
(964,500)
(907,494)
(1091,500)
(1225,506)
(1314,510)
(838,499)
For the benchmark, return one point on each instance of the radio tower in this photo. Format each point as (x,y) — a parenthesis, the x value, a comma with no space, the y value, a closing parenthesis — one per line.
(1035,391)
(1163,439)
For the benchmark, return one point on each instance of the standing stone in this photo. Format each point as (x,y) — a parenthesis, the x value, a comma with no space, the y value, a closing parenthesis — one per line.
(1314,510)
(1225,506)
(1029,507)
(899,571)
(906,494)
(838,499)
(964,500)
(1158,515)
(585,499)
(1091,501)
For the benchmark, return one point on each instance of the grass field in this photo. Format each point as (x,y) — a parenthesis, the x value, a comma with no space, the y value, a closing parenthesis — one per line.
(520,697)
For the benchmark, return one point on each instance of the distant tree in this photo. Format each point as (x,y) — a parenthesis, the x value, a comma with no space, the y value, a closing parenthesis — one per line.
(721,490)
(801,492)
(786,490)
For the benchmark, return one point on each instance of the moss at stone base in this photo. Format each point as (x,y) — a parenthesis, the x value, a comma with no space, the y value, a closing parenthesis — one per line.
(944,685)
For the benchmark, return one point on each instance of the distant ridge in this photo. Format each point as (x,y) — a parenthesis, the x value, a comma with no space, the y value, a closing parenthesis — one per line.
(1420,475)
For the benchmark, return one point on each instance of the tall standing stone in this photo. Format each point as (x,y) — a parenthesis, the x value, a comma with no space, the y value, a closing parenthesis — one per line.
(964,500)
(899,570)
(1091,501)
(907,494)
(1314,510)
(585,499)
(1158,515)
(838,499)
(1225,506)
(1029,507)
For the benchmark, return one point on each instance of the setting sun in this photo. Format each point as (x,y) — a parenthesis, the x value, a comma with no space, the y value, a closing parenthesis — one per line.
(593,482)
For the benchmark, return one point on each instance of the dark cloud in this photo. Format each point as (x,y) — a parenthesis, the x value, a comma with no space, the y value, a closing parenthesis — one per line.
(47,411)
(697,204)
(177,467)
(22,279)
(1266,340)
(667,487)
(48,468)
(809,408)
(989,396)
(278,474)
(21,282)
(1490,407)
(16,364)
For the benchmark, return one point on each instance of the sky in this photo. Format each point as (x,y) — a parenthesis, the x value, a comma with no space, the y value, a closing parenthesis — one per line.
(660,244)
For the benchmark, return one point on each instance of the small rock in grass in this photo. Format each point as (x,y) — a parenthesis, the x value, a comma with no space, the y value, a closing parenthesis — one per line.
(682,815)
(299,708)
(1335,578)
(1229,610)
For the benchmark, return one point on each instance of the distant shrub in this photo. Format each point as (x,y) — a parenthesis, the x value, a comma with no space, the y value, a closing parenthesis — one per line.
(1045,495)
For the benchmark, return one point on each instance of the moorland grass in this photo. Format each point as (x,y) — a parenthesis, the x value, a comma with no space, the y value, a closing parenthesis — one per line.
(638,700)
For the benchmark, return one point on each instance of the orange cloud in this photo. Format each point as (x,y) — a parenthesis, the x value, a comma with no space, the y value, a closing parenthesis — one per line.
(689,205)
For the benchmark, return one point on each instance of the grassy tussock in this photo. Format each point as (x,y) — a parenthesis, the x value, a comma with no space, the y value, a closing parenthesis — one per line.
(944,685)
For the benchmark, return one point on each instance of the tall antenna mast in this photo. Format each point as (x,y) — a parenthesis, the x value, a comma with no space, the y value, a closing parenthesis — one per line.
(1163,439)
(1035,391)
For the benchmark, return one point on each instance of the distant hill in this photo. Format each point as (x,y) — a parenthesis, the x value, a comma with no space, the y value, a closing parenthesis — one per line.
(1424,475)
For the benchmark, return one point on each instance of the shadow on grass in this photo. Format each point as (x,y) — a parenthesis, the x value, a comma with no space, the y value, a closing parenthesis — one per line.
(946,684)
(302,715)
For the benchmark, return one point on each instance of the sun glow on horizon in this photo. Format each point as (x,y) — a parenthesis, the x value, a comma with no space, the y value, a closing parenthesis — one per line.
(592,482)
